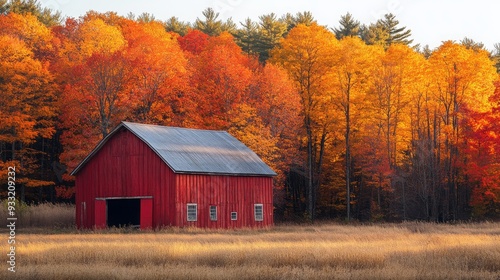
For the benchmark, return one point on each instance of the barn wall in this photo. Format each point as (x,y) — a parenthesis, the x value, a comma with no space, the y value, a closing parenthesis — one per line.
(125,167)
(228,193)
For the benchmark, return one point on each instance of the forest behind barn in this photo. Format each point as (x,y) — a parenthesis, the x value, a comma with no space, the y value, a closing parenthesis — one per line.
(358,115)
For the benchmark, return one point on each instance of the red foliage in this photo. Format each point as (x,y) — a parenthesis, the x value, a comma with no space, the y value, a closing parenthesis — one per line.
(194,41)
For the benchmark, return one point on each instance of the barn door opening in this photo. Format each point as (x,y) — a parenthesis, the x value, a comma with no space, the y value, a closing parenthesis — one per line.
(123,212)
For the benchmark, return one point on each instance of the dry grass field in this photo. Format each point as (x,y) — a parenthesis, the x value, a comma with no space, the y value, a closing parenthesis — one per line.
(387,251)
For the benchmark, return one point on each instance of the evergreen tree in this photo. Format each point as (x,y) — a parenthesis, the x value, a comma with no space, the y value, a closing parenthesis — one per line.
(174,25)
(375,34)
(44,15)
(146,17)
(396,34)
(305,18)
(471,44)
(271,30)
(426,51)
(291,21)
(211,25)
(247,36)
(349,27)
(229,26)
(3,7)
(496,56)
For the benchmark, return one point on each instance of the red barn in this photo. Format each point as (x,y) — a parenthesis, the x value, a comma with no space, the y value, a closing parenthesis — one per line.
(153,176)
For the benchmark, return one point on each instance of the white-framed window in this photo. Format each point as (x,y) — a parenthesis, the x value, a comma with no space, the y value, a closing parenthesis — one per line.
(258,210)
(192,212)
(234,216)
(213,213)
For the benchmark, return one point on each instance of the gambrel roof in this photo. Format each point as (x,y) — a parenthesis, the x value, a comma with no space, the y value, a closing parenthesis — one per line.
(196,151)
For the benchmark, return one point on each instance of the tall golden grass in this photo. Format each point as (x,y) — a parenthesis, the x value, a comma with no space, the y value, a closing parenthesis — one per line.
(44,215)
(388,251)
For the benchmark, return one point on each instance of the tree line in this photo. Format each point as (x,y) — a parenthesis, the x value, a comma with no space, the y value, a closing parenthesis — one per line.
(357,122)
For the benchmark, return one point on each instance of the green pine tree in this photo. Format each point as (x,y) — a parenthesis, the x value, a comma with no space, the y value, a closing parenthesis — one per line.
(471,44)
(496,56)
(174,25)
(291,21)
(270,32)
(210,25)
(396,34)
(146,17)
(247,36)
(45,15)
(375,34)
(349,27)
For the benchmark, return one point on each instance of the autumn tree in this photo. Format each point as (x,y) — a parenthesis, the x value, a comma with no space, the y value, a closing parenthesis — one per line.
(31,31)
(28,111)
(396,80)
(158,69)
(482,150)
(400,96)
(354,64)
(278,106)
(220,77)
(96,73)
(307,55)
(461,78)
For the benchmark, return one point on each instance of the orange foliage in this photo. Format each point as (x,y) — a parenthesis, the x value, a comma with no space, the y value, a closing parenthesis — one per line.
(26,94)
(29,30)
(159,72)
(220,79)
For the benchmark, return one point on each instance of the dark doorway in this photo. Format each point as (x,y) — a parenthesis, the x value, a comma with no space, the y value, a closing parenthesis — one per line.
(124,212)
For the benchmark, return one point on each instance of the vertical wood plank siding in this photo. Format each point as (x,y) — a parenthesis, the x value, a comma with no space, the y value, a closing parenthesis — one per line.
(229,194)
(126,167)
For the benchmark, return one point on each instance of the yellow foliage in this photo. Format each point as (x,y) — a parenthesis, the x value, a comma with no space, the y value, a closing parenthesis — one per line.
(28,29)
(98,37)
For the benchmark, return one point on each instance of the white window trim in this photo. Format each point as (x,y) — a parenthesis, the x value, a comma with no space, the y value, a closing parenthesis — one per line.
(255,212)
(210,212)
(235,216)
(196,213)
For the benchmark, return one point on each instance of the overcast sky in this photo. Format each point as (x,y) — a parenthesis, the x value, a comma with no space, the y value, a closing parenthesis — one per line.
(431,21)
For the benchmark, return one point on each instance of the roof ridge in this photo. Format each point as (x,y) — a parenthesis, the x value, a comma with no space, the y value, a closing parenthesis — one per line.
(174,127)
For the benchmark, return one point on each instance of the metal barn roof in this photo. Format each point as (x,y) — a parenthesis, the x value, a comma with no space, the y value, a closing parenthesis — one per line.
(194,151)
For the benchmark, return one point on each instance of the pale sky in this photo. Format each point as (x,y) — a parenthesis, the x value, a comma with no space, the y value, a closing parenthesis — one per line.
(431,21)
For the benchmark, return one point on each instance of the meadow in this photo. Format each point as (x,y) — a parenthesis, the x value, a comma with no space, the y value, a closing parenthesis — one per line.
(328,251)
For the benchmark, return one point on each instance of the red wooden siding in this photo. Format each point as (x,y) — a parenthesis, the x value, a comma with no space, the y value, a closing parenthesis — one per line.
(229,194)
(125,167)
(146,213)
(100,214)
